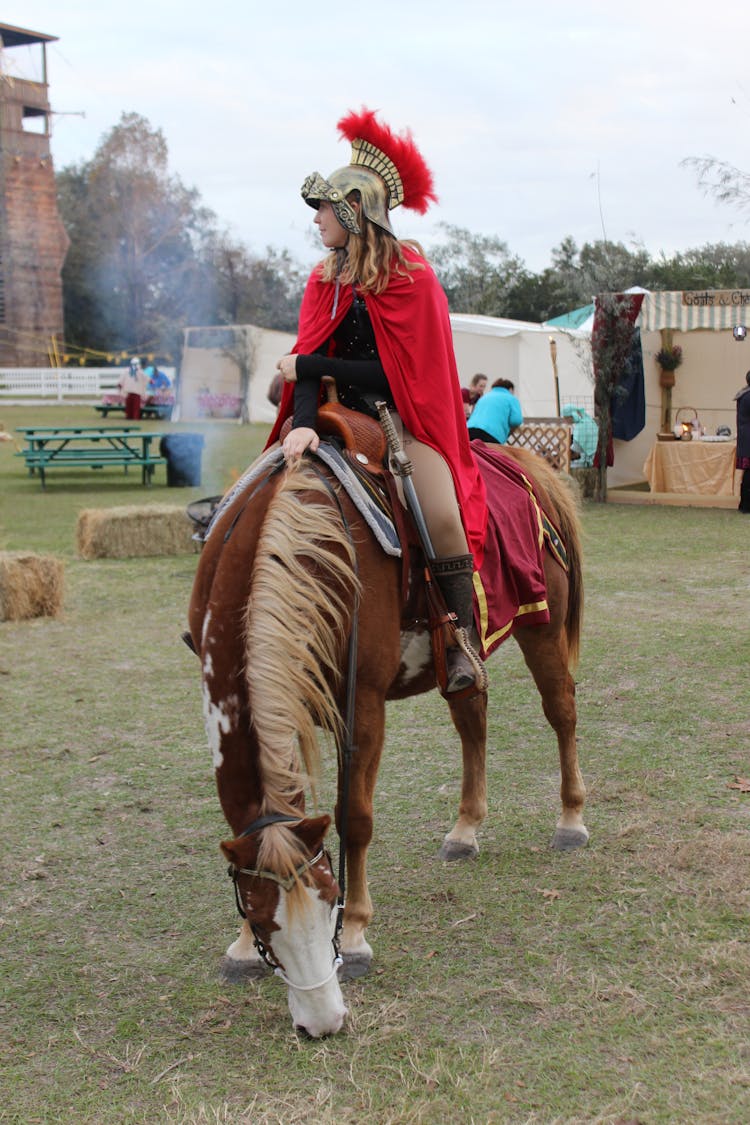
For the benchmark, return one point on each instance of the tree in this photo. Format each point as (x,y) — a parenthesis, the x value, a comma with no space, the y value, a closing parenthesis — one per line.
(722,180)
(477,272)
(243,353)
(719,266)
(611,342)
(134,274)
(253,290)
(538,297)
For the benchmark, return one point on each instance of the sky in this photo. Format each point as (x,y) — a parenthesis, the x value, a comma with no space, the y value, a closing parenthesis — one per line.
(539,120)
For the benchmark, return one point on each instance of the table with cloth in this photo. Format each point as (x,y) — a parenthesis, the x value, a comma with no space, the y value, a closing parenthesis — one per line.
(699,466)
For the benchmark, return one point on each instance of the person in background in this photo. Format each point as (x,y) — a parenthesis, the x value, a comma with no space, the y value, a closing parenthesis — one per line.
(157,380)
(585,436)
(133,387)
(496,413)
(474,391)
(742,461)
(375,319)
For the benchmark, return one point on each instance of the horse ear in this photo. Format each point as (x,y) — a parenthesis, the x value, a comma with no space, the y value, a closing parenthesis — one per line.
(239,851)
(312,830)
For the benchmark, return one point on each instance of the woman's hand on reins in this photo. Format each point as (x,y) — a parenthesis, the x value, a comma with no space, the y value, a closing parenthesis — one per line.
(297,441)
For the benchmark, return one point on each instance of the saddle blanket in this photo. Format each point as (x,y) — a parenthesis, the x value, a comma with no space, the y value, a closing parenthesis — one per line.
(509,588)
(381,525)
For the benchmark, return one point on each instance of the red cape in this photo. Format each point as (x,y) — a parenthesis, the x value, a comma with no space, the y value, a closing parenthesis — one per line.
(415,344)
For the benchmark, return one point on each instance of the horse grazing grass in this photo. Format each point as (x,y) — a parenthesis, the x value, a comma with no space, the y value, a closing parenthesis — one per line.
(289,572)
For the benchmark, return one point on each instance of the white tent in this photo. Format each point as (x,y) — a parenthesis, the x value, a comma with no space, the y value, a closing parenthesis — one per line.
(509,349)
(522,352)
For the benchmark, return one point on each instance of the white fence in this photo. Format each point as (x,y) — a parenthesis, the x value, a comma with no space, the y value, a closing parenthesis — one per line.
(60,383)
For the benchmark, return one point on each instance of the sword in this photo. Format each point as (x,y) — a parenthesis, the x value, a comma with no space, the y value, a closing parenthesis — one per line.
(442,621)
(403,467)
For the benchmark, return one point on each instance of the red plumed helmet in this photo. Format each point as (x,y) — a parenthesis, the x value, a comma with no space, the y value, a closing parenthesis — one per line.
(407,177)
(387,169)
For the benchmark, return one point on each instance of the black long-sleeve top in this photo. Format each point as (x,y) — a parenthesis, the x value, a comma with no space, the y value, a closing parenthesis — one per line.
(355,366)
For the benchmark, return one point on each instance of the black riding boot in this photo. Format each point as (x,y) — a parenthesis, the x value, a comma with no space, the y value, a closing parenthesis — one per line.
(454,577)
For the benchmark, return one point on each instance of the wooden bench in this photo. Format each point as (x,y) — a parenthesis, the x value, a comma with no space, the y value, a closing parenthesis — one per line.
(93,449)
(152,410)
(80,458)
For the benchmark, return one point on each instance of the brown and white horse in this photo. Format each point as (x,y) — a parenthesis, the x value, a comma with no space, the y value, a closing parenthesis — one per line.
(288,571)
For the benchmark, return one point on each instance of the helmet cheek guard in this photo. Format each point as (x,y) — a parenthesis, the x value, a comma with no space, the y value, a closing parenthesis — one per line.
(316,190)
(371,189)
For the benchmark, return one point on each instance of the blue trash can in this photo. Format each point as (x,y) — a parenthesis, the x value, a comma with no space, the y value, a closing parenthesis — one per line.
(183,453)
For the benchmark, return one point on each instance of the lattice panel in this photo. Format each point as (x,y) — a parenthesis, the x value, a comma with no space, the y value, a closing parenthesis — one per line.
(550,440)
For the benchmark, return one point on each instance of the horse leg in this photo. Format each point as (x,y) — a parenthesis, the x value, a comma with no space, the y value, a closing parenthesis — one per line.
(470,720)
(369,735)
(242,961)
(229,735)
(546,655)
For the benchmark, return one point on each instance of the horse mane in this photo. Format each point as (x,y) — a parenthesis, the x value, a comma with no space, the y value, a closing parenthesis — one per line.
(561,505)
(296,623)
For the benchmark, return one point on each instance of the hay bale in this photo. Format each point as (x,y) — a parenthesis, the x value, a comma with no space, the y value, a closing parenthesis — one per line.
(134,532)
(30,586)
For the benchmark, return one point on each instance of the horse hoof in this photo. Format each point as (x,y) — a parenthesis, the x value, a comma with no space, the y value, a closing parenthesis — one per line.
(453,850)
(355,965)
(235,972)
(569,839)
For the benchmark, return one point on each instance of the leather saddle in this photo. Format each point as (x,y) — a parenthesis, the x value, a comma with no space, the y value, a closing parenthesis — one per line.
(360,436)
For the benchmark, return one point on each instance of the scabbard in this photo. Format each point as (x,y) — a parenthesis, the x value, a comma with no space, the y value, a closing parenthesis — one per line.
(404,469)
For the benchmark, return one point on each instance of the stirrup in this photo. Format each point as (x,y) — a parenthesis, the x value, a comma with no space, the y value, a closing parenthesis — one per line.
(465,669)
(460,671)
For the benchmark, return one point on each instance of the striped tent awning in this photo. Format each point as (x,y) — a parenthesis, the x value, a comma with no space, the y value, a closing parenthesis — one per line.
(701,308)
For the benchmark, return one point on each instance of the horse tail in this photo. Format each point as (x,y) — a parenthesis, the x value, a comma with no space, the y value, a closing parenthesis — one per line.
(297,619)
(569,526)
(561,505)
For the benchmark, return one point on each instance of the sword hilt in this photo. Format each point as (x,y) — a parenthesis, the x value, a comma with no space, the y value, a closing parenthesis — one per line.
(401,459)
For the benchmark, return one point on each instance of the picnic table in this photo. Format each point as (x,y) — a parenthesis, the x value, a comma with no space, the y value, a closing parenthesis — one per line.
(60,447)
(148,410)
(156,405)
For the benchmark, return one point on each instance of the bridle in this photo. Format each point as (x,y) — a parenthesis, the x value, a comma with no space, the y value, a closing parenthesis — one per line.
(346,749)
(286,883)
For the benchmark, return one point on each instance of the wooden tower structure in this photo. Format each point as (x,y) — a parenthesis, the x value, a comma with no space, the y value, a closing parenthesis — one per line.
(33,242)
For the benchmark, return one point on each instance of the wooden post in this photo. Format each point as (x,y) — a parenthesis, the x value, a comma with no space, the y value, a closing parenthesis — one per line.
(553,353)
(666,391)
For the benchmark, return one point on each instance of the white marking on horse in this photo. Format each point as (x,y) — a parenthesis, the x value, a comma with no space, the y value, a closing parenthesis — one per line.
(416,655)
(304,945)
(220,719)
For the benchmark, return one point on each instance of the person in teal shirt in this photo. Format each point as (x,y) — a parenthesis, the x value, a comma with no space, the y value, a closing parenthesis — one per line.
(495,414)
(585,436)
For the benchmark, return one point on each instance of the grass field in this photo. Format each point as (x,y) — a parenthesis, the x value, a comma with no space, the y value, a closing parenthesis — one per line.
(526,987)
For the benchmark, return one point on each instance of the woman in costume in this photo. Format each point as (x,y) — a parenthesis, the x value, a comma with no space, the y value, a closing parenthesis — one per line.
(375,318)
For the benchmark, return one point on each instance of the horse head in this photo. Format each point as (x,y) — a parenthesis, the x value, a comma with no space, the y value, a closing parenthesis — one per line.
(288,894)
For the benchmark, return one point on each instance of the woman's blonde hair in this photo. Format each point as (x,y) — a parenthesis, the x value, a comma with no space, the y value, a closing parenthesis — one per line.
(371,257)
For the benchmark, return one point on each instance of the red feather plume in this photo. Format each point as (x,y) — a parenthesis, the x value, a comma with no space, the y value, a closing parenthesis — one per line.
(416,177)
